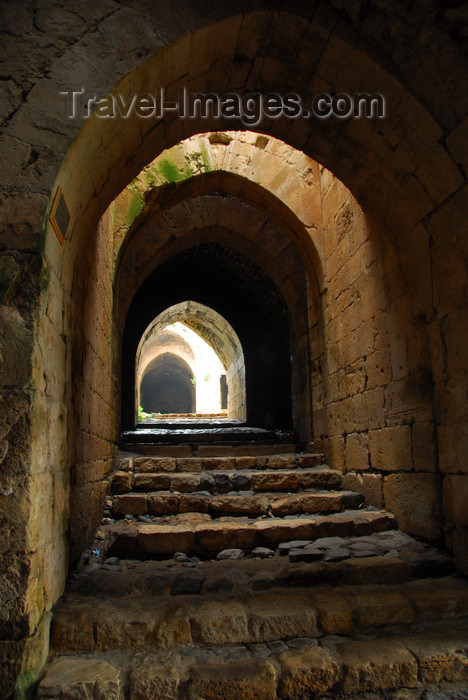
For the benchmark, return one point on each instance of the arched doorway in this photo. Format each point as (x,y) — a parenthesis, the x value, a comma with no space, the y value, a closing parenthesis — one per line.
(210,345)
(389,167)
(218,277)
(167,386)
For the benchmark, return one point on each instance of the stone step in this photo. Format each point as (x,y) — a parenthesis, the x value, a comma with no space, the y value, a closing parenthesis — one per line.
(86,624)
(189,419)
(430,664)
(199,534)
(211,450)
(203,434)
(321,477)
(208,462)
(235,504)
(384,557)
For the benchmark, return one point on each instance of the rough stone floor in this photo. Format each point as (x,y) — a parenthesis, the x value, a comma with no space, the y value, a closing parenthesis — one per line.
(241,572)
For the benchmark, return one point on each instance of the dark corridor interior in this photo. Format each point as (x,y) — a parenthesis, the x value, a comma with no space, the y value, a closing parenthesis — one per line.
(167,386)
(240,291)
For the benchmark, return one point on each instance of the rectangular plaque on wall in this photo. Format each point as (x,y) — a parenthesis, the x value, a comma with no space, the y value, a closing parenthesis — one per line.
(59,215)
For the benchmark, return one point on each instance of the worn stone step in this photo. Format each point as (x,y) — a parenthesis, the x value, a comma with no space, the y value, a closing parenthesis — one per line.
(210,433)
(387,557)
(87,623)
(209,462)
(171,464)
(424,664)
(236,504)
(199,534)
(211,450)
(225,480)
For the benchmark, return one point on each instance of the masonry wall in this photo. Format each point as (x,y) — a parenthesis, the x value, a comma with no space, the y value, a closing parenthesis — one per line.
(408,172)
(374,400)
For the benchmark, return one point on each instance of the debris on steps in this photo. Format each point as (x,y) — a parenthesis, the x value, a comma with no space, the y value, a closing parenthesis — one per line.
(234,571)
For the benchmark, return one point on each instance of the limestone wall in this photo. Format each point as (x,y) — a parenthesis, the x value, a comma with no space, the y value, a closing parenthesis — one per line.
(58,376)
(377,394)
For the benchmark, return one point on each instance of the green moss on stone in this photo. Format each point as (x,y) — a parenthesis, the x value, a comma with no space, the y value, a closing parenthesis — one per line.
(188,172)
(24,684)
(45,276)
(170,171)
(136,206)
(43,231)
(205,158)
(150,177)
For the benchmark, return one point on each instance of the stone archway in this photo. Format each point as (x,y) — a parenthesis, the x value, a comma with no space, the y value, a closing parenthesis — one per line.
(215,275)
(167,386)
(406,172)
(217,333)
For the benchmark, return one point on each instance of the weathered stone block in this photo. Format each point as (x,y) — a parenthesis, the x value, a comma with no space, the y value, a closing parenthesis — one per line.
(245,463)
(215,463)
(121,482)
(220,623)
(165,539)
(440,657)
(375,570)
(448,599)
(151,482)
(274,481)
(370,485)
(185,483)
(243,679)
(311,669)
(245,505)
(131,627)
(414,500)
(173,627)
(80,678)
(126,464)
(190,464)
(390,448)
(376,665)
(336,614)
(276,530)
(72,630)
(129,504)
(277,616)
(311,459)
(213,538)
(166,504)
(424,449)
(357,452)
(149,679)
(281,461)
(375,607)
(455,498)
(320,477)
(190,503)
(307,503)
(154,464)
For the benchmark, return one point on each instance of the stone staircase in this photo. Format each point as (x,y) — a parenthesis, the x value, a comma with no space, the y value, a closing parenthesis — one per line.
(239,571)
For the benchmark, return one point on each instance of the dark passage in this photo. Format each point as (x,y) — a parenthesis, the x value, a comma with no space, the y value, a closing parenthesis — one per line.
(239,290)
(167,386)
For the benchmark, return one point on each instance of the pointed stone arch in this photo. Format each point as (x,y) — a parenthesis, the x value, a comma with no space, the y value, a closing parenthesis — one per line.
(215,331)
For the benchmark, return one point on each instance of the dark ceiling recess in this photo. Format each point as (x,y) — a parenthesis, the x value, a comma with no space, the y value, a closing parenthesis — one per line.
(247,298)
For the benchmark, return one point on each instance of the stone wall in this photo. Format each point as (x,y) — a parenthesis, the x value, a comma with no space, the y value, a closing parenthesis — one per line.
(408,173)
(377,393)
(366,353)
